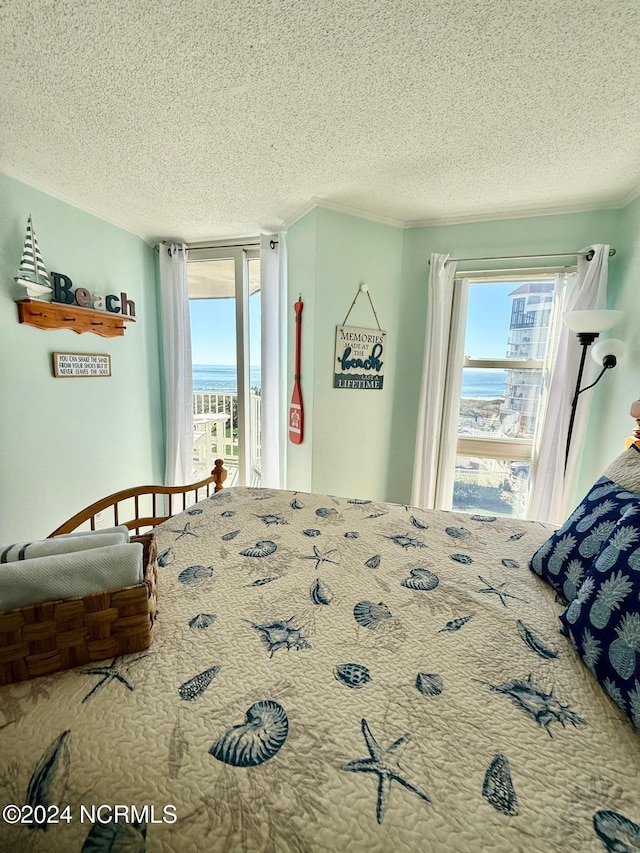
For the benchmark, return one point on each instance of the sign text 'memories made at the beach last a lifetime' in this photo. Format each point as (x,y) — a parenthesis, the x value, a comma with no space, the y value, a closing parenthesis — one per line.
(360,355)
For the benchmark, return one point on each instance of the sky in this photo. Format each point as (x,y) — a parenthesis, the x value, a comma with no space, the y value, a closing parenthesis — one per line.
(488,317)
(213,330)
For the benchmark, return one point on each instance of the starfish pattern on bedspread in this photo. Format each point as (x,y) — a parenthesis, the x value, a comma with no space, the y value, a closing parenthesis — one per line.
(498,589)
(111,672)
(185,531)
(382,762)
(321,558)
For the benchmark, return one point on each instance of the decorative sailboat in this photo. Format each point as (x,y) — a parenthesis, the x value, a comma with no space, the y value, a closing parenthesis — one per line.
(32,272)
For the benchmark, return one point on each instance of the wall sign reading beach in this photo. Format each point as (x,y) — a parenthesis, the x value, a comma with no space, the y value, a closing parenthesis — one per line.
(81,364)
(79,309)
(359,361)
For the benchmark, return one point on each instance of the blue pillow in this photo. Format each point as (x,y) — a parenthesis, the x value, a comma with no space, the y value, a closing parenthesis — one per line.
(603,620)
(565,559)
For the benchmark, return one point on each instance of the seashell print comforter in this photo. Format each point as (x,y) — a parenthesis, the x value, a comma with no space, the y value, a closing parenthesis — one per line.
(329,675)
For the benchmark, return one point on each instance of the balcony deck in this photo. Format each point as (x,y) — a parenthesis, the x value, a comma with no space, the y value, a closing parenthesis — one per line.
(216,436)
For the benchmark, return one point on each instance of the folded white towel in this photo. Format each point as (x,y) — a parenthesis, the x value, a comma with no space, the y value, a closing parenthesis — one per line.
(26,582)
(58,545)
(121,528)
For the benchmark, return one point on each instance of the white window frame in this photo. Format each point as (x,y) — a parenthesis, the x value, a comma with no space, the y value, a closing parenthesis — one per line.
(453,445)
(240,254)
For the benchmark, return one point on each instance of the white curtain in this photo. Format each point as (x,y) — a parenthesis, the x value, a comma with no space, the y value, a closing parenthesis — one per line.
(273,367)
(176,344)
(431,410)
(552,488)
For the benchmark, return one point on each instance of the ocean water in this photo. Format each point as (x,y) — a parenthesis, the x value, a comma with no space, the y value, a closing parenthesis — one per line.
(485,384)
(221,378)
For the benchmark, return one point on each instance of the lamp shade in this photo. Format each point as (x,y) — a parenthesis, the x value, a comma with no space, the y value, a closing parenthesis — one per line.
(592,321)
(608,346)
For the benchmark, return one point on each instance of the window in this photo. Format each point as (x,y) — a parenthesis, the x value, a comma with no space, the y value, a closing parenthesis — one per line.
(495,383)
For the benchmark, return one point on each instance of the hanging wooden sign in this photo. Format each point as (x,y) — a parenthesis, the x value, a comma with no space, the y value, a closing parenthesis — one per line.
(81,364)
(359,359)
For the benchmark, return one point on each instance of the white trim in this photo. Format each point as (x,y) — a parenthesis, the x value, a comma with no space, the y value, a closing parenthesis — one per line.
(299,214)
(507,449)
(515,213)
(226,242)
(519,213)
(445,478)
(514,274)
(210,253)
(43,188)
(504,363)
(341,208)
(632,195)
(242,361)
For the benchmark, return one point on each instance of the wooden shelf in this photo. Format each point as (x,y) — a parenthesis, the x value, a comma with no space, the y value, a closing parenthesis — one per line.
(55,315)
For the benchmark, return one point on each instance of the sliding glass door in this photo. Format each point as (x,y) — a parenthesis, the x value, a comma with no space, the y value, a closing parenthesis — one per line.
(224,299)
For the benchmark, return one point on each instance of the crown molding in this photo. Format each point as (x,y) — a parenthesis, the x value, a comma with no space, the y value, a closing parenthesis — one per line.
(632,195)
(340,208)
(515,213)
(302,211)
(520,213)
(42,187)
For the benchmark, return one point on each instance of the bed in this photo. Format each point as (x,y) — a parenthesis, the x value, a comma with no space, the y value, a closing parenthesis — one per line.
(329,674)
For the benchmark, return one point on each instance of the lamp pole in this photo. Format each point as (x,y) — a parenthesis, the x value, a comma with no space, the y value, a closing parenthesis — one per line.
(609,361)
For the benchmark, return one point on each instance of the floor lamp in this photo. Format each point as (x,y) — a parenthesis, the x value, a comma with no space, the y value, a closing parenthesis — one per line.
(588,325)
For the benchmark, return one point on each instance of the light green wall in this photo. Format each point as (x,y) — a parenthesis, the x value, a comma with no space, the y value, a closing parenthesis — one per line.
(362,442)
(301,281)
(67,442)
(347,432)
(497,238)
(610,421)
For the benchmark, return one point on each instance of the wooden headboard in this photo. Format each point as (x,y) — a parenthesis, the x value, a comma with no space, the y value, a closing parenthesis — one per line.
(143,502)
(635,414)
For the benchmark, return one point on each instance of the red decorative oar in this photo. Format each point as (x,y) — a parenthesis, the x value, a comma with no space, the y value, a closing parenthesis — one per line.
(296,411)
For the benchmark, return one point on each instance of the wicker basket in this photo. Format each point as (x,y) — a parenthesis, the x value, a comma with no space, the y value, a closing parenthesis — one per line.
(45,638)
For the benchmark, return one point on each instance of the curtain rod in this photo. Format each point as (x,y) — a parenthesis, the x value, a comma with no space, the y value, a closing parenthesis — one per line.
(589,256)
(272,245)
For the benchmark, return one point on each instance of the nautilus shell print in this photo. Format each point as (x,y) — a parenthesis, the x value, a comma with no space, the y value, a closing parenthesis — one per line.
(261,549)
(257,739)
(421,579)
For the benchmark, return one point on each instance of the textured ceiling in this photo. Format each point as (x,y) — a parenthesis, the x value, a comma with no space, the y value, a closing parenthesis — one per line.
(196,119)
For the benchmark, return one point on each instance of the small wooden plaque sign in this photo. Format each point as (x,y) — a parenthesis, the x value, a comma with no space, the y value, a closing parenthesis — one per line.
(77,365)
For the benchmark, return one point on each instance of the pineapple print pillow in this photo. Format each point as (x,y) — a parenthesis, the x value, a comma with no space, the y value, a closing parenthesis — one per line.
(603,620)
(567,556)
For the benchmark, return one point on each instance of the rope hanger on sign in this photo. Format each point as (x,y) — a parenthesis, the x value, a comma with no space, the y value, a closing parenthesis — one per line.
(362,289)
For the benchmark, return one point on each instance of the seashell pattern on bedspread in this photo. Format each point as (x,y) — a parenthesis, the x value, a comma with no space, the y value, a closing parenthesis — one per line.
(308,689)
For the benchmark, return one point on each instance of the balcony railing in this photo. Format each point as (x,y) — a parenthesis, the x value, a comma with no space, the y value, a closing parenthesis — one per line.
(222,440)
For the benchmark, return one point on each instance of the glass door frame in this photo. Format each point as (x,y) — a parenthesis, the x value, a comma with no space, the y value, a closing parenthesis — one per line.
(241,253)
